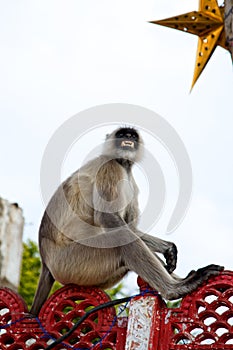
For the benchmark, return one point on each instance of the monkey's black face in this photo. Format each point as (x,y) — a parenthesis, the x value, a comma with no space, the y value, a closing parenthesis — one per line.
(127,139)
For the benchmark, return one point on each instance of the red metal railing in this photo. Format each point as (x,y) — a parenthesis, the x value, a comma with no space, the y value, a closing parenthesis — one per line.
(204,320)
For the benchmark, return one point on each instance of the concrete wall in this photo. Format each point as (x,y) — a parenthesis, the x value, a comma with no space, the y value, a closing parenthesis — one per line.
(11,233)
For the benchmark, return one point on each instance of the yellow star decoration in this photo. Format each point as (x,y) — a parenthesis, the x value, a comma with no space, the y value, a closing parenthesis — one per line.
(208,24)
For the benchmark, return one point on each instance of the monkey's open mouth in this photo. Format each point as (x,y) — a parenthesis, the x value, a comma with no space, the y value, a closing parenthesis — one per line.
(127,144)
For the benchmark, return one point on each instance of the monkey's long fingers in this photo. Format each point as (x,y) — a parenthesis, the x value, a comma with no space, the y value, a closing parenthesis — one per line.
(171,258)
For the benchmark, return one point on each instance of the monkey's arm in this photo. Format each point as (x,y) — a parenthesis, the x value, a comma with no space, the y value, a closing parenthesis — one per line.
(168,249)
(155,244)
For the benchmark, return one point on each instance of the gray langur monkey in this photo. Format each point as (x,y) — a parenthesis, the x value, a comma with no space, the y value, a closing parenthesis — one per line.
(88,234)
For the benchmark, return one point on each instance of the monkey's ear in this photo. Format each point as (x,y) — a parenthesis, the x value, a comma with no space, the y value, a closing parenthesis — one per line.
(107,136)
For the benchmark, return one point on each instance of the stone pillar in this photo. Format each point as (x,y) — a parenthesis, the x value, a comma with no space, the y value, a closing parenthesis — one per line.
(144,320)
(229,24)
(143,324)
(11,233)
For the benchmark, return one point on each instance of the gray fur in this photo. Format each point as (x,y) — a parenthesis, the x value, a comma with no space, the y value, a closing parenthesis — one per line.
(89,236)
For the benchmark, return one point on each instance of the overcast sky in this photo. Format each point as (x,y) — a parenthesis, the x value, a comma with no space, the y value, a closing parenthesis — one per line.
(59,57)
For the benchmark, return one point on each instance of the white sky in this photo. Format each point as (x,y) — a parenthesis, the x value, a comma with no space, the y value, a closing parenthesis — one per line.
(59,57)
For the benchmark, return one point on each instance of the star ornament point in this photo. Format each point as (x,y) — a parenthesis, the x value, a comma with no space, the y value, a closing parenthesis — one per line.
(208,24)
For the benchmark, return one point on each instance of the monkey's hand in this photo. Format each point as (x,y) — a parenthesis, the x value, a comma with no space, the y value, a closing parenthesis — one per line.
(171,258)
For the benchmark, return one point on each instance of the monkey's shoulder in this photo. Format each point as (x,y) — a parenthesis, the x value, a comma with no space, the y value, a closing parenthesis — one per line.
(102,173)
(102,167)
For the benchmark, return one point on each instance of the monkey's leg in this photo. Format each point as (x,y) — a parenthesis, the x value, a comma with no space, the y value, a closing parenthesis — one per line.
(138,258)
(44,286)
(168,249)
(114,278)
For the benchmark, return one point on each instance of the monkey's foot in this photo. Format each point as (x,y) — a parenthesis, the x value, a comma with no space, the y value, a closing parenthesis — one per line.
(202,274)
(207,271)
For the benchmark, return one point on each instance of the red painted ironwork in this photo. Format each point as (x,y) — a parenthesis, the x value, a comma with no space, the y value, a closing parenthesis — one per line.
(58,315)
(204,320)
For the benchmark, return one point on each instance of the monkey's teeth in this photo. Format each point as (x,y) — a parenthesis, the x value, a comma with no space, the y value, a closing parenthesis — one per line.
(127,144)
